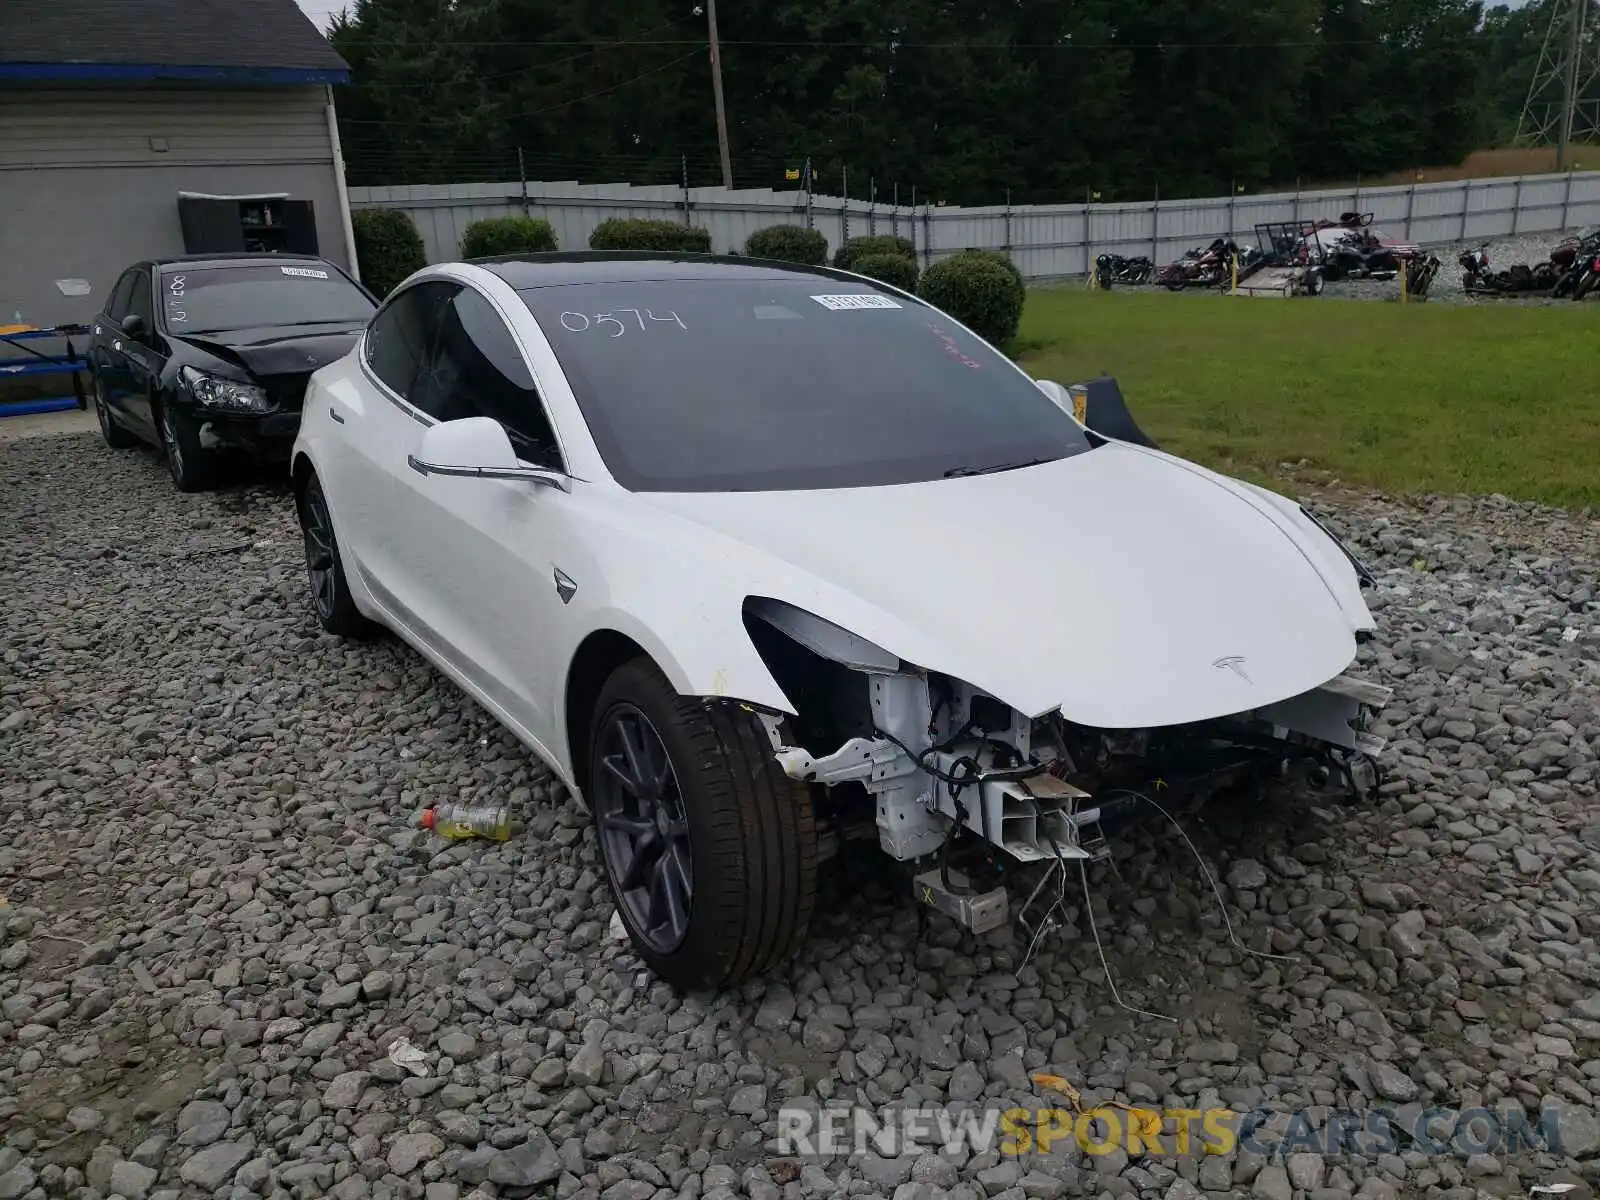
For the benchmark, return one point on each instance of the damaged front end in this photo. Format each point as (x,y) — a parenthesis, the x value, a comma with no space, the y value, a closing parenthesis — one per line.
(968,791)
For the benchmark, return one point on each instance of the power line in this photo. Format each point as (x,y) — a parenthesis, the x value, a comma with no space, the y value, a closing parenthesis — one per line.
(594,49)
(891,43)
(523,116)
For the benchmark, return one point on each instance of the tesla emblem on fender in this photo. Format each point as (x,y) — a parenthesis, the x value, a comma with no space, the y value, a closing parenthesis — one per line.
(565,587)
(1234,663)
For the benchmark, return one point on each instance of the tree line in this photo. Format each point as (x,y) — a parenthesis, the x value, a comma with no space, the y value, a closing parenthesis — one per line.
(968,101)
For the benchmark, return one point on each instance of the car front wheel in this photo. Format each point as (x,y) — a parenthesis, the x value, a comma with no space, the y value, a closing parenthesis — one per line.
(113,434)
(330,591)
(192,466)
(709,848)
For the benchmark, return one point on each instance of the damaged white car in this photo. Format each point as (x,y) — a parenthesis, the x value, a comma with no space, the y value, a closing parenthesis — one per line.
(761,557)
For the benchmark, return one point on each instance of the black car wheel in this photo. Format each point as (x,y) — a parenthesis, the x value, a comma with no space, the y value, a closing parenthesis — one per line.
(193,467)
(330,590)
(709,848)
(114,435)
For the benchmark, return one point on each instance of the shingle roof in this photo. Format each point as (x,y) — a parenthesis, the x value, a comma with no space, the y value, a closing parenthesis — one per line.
(262,34)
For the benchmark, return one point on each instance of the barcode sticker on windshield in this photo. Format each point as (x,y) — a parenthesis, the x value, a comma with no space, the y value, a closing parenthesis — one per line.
(856,300)
(304,272)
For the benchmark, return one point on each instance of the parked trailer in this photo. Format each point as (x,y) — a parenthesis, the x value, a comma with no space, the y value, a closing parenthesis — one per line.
(1290,264)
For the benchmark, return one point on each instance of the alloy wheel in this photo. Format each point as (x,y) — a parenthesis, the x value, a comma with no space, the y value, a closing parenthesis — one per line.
(100,408)
(317,527)
(170,442)
(644,829)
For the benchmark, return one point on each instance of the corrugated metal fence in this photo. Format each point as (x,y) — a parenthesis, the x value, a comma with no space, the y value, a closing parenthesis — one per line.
(1046,241)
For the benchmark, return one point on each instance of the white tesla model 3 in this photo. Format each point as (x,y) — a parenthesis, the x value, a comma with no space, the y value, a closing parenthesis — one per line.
(759,557)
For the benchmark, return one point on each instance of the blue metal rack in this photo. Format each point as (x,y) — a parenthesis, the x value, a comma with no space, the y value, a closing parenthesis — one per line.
(36,362)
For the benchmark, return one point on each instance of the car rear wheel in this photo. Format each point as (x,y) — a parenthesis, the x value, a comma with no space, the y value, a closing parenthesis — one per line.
(330,591)
(113,434)
(192,466)
(709,848)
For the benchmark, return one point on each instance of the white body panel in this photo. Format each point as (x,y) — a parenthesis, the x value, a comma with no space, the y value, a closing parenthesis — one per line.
(1124,586)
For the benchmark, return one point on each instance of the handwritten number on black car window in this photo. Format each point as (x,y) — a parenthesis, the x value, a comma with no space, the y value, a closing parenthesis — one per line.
(175,290)
(576,322)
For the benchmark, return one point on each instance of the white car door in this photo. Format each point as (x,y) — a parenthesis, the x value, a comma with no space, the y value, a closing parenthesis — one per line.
(370,428)
(477,557)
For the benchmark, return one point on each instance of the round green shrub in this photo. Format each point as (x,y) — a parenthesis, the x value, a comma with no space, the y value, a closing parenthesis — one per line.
(889,268)
(388,248)
(860,247)
(788,243)
(660,236)
(1004,261)
(507,235)
(977,291)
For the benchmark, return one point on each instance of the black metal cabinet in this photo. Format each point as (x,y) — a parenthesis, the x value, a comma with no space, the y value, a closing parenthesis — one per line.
(225,225)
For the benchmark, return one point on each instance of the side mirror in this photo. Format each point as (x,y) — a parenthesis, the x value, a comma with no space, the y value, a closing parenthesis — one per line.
(133,326)
(477,448)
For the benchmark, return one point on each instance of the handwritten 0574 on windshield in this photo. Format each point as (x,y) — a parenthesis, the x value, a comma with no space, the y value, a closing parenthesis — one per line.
(576,322)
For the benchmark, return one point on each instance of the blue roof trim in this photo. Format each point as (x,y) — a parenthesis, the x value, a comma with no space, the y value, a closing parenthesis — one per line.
(81,72)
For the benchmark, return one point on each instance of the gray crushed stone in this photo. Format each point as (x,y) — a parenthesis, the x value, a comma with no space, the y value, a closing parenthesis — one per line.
(217,919)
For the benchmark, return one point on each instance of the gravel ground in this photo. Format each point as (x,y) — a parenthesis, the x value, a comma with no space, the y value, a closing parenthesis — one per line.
(218,918)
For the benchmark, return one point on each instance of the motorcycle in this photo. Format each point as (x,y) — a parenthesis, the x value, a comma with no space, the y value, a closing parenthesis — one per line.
(1576,262)
(1114,268)
(1200,268)
(1477,276)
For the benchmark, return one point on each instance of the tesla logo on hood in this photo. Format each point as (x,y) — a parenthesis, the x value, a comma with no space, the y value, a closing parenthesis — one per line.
(1234,663)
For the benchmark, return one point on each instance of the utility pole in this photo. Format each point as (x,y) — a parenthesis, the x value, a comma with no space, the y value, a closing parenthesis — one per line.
(716,88)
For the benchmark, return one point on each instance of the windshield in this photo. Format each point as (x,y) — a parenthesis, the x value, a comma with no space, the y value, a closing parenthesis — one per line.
(257,295)
(742,384)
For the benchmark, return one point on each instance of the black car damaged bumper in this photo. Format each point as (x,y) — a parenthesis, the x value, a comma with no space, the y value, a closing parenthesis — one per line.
(262,435)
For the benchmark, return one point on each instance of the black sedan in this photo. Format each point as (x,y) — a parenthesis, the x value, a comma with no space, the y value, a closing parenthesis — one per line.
(209,354)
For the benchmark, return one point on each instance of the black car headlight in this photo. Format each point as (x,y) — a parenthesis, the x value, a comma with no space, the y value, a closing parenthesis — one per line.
(214,391)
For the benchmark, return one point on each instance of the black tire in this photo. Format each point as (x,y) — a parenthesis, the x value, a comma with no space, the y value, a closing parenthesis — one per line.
(749,830)
(1315,281)
(111,433)
(193,468)
(330,589)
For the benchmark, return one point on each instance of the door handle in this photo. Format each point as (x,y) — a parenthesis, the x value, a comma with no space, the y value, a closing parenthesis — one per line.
(334,413)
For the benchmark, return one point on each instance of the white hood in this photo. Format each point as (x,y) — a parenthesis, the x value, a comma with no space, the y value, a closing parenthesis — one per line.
(1123,586)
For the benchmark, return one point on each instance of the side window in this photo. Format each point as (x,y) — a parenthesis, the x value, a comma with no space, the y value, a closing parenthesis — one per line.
(402,335)
(117,308)
(480,372)
(139,301)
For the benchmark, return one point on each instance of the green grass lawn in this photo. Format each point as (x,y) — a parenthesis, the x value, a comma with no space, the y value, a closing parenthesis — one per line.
(1408,399)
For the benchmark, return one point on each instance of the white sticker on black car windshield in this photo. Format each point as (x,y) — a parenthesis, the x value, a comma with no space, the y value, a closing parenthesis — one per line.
(855,300)
(304,272)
